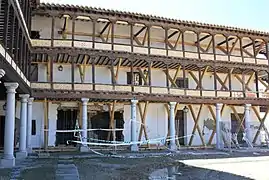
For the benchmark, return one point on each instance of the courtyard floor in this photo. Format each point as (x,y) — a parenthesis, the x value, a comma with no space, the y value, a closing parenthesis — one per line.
(184,164)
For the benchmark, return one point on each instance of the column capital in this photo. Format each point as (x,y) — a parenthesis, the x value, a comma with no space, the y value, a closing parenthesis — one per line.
(11,87)
(30,100)
(172,103)
(133,101)
(24,97)
(218,105)
(85,101)
(2,73)
(247,105)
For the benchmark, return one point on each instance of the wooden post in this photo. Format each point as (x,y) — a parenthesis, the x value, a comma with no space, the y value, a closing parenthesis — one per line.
(52,30)
(183,46)
(132,36)
(93,72)
(93,32)
(111,122)
(73,29)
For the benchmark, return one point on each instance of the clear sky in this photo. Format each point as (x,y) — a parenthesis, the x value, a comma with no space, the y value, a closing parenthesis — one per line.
(250,14)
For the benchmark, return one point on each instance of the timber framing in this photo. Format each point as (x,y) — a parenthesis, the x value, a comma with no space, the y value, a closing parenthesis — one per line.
(54,9)
(127,96)
(40,54)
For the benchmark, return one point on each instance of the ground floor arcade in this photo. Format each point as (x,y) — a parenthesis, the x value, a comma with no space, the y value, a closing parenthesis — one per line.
(48,123)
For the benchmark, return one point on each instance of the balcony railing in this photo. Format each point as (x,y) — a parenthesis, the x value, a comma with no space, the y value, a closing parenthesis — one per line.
(147,90)
(146,50)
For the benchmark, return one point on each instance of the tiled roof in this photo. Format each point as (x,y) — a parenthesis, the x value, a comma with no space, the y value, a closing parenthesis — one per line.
(87,9)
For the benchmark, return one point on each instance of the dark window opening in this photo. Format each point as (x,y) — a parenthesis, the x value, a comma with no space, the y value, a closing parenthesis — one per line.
(137,79)
(263,108)
(33,127)
(35,35)
(180,83)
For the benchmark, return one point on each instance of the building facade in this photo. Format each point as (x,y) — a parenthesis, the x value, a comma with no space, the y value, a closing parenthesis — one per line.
(148,77)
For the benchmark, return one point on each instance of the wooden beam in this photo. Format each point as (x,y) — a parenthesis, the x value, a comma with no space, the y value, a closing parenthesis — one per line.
(262,125)
(196,125)
(111,121)
(143,115)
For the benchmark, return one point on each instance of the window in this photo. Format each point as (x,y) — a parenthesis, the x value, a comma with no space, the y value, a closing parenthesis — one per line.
(180,83)
(263,108)
(33,127)
(35,35)
(136,78)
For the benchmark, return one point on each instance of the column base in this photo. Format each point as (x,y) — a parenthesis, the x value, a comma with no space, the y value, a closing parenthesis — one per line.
(29,150)
(7,163)
(134,148)
(83,149)
(21,155)
(172,147)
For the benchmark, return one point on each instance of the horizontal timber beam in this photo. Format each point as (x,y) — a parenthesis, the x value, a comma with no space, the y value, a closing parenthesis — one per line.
(100,95)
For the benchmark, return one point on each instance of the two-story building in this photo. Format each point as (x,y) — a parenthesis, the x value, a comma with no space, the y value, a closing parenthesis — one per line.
(112,58)
(147,78)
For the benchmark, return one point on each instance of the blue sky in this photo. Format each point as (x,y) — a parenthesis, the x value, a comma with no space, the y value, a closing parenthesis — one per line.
(250,14)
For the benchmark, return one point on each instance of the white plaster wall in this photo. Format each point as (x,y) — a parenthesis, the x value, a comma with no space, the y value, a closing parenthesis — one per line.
(156,122)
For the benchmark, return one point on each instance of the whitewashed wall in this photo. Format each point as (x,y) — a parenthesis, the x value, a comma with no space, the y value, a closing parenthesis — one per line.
(156,122)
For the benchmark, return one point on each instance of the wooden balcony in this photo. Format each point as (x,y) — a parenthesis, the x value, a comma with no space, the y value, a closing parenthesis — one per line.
(146,50)
(85,87)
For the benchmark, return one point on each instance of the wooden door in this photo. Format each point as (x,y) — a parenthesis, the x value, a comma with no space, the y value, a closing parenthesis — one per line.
(179,121)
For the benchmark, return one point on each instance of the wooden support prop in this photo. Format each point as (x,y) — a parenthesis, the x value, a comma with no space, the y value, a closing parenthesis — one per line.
(48,69)
(118,69)
(241,120)
(203,74)
(233,46)
(215,120)
(82,69)
(223,83)
(145,78)
(196,126)
(111,122)
(143,115)
(173,84)
(195,79)
(242,82)
(264,84)
(262,120)
(46,127)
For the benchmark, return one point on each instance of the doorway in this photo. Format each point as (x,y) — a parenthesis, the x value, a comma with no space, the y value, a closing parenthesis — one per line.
(66,120)
(101,121)
(2,131)
(235,125)
(179,122)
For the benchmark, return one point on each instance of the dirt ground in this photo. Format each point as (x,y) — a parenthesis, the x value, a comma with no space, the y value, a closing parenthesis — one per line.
(142,165)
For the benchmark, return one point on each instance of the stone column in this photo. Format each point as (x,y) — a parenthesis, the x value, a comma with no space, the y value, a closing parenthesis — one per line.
(218,126)
(134,146)
(247,120)
(84,147)
(8,159)
(29,125)
(23,125)
(172,135)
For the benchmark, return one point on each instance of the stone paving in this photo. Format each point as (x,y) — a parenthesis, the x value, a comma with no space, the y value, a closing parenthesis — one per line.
(66,170)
